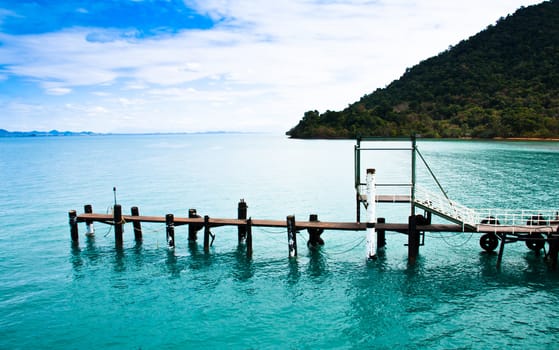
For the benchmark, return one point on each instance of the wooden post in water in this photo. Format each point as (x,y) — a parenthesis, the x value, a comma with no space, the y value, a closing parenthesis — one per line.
(242,215)
(72,216)
(88,209)
(137,225)
(249,238)
(381,234)
(553,253)
(193,228)
(503,237)
(413,239)
(291,236)
(170,228)
(117,218)
(206,234)
(314,233)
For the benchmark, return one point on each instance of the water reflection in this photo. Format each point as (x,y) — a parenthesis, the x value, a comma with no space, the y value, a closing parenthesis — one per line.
(294,274)
(243,269)
(119,264)
(171,263)
(138,255)
(81,257)
(318,263)
(198,259)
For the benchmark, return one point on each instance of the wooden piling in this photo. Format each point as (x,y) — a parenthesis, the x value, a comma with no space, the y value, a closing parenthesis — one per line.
(381,234)
(314,234)
(170,228)
(242,215)
(553,253)
(137,225)
(72,216)
(249,238)
(291,236)
(117,219)
(503,237)
(88,209)
(206,234)
(193,228)
(413,239)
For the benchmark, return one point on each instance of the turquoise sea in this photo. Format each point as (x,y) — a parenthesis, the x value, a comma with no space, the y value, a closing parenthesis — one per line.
(56,296)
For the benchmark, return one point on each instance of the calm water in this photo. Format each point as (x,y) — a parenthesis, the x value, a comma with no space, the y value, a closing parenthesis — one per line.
(53,295)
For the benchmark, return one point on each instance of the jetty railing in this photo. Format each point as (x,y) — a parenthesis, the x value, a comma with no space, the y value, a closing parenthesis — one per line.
(443,206)
(473,217)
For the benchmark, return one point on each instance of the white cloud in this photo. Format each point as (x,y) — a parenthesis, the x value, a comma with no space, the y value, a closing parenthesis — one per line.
(58,91)
(261,67)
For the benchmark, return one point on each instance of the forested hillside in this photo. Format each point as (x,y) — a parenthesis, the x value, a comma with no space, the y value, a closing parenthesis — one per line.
(502,82)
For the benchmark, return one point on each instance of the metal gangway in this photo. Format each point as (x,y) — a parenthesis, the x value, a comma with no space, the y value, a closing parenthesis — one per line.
(480,220)
(535,227)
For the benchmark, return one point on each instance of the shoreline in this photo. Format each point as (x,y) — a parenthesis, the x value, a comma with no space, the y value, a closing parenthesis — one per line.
(520,139)
(526,139)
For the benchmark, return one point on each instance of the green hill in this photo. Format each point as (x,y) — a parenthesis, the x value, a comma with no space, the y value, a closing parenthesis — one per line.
(502,82)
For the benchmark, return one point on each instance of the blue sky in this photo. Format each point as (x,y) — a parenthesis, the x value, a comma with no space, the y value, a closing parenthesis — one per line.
(207,65)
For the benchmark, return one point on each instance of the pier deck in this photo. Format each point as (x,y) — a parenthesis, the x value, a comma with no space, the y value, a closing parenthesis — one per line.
(335,226)
(217,222)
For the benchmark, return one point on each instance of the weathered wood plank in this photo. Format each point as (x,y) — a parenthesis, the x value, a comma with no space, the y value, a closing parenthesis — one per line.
(214,222)
(337,226)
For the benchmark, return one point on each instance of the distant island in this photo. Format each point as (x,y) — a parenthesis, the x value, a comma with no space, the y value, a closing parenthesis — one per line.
(501,83)
(6,133)
(54,133)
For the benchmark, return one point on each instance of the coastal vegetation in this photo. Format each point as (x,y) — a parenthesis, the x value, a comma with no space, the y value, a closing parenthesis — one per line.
(502,82)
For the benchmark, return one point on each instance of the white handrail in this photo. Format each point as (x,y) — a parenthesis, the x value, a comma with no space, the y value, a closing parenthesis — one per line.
(441,205)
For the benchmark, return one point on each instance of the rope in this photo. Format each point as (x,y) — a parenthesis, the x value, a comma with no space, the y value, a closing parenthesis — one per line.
(441,236)
(273,234)
(279,231)
(108,231)
(361,240)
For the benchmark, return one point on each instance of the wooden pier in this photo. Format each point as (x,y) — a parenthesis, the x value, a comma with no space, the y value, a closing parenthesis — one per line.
(496,228)
(535,237)
(198,223)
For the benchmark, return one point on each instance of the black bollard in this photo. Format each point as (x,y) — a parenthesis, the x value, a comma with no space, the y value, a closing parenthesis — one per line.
(314,233)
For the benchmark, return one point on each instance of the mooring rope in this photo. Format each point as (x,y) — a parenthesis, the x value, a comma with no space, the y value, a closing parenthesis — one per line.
(108,231)
(361,240)
(441,236)
(278,231)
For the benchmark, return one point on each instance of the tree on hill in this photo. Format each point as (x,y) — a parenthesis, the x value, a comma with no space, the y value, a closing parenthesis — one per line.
(502,82)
